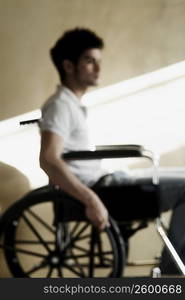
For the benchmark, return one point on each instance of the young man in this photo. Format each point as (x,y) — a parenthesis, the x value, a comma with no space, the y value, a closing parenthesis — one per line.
(77,57)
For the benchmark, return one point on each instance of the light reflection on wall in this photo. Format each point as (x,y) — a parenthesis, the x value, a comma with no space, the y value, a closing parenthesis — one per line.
(154,118)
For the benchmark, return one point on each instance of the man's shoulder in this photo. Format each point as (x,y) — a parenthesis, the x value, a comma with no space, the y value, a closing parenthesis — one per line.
(58,100)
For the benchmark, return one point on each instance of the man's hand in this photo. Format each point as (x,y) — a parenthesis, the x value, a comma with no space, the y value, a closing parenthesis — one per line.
(97,213)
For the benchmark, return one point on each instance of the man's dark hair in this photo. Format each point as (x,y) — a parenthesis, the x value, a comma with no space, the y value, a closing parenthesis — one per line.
(72,45)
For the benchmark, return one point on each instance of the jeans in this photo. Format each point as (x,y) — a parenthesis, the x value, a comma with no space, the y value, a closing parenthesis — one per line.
(171,196)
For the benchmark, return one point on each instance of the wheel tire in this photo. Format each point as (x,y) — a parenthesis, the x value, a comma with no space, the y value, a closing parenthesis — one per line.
(32,249)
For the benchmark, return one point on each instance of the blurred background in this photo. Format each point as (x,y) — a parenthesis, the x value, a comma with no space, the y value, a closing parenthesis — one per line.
(140,99)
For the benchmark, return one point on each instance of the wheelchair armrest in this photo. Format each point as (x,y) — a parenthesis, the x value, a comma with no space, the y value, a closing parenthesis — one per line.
(117,151)
(106,151)
(27,122)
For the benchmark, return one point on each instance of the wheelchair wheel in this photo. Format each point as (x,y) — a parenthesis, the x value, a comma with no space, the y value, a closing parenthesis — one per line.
(35,246)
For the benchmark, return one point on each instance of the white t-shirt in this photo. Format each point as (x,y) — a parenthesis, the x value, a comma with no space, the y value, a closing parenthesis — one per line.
(64,115)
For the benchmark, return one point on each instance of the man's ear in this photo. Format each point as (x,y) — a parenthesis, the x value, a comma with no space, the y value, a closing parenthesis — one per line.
(68,66)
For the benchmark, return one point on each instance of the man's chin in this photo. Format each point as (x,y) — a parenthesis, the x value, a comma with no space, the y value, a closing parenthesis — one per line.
(92,83)
(95,82)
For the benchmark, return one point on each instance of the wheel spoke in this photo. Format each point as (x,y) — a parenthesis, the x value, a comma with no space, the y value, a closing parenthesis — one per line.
(35,232)
(108,259)
(49,272)
(76,226)
(72,270)
(78,234)
(42,265)
(33,242)
(81,248)
(60,274)
(78,264)
(41,221)
(13,249)
(87,236)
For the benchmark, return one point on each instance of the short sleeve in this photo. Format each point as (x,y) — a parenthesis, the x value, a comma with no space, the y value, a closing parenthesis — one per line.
(57,118)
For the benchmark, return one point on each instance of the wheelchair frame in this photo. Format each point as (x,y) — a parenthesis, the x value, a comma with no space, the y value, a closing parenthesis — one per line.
(115,151)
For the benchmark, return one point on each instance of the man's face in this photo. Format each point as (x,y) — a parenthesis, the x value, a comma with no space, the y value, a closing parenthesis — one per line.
(87,70)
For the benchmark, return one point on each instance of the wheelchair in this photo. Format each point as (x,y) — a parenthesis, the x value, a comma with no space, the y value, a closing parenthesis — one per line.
(46,233)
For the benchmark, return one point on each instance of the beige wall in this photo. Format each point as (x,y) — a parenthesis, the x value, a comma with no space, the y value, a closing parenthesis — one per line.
(141,36)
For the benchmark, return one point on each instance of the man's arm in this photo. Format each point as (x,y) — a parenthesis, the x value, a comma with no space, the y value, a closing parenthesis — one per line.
(59,173)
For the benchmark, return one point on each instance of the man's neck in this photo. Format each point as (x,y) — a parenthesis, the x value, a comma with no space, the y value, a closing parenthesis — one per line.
(77,90)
